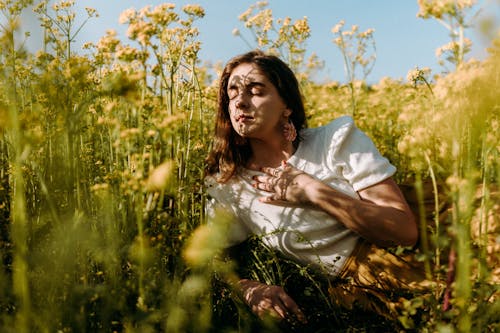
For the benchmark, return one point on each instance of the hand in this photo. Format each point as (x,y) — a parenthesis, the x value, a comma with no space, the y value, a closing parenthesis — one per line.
(286,183)
(264,300)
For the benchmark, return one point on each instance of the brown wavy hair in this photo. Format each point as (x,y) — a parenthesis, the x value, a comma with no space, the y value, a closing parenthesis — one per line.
(230,150)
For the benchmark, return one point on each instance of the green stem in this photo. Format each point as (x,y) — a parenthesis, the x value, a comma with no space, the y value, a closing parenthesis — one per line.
(19,221)
(423,224)
(437,253)
(19,225)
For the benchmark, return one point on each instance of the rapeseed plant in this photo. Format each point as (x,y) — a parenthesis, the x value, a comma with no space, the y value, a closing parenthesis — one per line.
(454,15)
(357,49)
(280,36)
(101,194)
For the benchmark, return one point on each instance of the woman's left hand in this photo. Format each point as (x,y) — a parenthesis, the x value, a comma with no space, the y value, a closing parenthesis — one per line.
(286,184)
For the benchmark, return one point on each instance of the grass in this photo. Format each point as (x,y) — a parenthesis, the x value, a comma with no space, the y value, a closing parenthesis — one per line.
(101,183)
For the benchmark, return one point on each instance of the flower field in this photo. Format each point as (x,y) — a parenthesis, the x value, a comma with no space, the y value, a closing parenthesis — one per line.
(102,225)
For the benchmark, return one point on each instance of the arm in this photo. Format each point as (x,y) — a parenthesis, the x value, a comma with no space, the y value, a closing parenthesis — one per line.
(262,299)
(382,216)
(271,300)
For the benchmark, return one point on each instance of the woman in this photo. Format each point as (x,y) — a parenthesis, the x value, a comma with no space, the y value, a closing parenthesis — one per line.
(321,196)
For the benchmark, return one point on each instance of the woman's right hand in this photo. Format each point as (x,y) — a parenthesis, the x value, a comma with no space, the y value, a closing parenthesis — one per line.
(271,300)
(287,185)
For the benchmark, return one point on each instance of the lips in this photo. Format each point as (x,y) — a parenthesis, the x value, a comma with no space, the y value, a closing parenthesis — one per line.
(243,118)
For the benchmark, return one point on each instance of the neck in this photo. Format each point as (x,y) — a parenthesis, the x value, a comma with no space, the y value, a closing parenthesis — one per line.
(269,154)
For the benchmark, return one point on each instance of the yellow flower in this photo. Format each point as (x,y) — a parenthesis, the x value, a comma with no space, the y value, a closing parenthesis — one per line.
(418,74)
(439,8)
(161,177)
(244,16)
(338,27)
(144,11)
(366,34)
(127,15)
(129,132)
(163,14)
(338,41)
(63,5)
(91,12)
(151,133)
(302,26)
(99,187)
(194,10)
(207,240)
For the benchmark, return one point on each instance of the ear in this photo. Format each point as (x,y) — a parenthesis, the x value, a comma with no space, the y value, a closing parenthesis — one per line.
(287,112)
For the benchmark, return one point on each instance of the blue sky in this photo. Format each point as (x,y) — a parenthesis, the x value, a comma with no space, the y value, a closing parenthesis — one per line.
(403,41)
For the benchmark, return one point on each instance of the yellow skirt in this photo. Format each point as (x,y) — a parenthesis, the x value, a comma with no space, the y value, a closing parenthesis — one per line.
(377,280)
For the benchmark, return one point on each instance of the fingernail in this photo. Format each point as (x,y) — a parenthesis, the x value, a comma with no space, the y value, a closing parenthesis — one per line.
(301,317)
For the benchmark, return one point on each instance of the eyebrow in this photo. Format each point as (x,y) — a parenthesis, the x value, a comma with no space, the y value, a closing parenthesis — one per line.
(250,84)
(255,83)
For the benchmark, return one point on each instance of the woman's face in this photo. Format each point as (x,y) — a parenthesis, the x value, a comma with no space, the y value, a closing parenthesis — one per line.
(255,106)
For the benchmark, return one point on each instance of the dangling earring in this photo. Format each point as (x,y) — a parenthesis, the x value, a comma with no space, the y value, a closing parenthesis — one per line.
(289,131)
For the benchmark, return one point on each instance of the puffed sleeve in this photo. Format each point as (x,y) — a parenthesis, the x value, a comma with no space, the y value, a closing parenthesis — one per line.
(359,159)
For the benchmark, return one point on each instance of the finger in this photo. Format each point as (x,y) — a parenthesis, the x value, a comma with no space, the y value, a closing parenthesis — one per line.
(270,184)
(264,179)
(280,310)
(267,170)
(275,172)
(263,187)
(286,167)
(269,310)
(274,199)
(257,180)
(266,183)
(282,190)
(292,307)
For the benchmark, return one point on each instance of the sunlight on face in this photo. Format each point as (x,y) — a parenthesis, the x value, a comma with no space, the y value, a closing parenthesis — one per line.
(255,106)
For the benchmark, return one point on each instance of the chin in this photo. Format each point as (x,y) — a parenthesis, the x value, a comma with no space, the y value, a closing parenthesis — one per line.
(243,134)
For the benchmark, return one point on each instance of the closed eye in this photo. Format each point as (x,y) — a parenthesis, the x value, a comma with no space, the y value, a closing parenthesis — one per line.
(256,88)
(232,92)
(252,88)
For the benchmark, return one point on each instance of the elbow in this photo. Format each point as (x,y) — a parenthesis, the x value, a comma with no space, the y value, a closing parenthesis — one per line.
(411,239)
(411,234)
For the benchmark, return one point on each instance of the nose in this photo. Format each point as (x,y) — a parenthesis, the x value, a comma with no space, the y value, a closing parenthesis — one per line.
(241,101)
